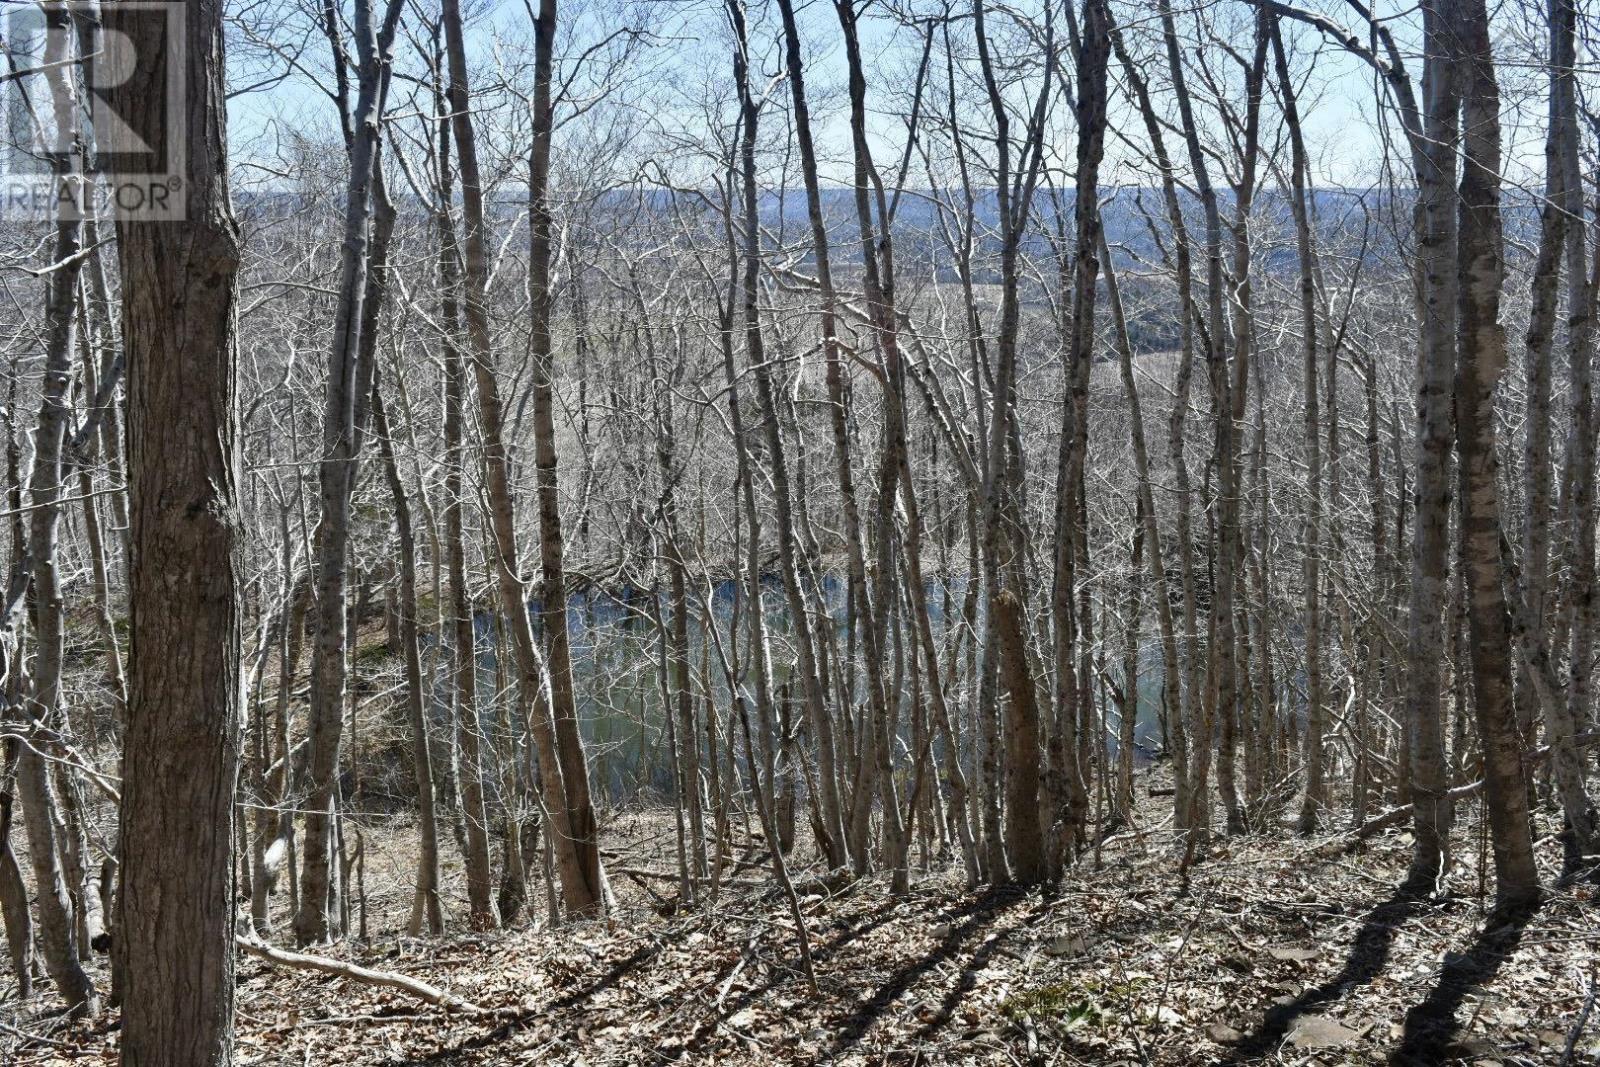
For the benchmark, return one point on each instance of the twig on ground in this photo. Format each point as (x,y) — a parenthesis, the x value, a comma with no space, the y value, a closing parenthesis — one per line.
(1577,1028)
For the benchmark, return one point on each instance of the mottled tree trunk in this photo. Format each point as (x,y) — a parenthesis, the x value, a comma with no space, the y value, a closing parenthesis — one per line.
(1481,351)
(1003,547)
(1431,532)
(1566,718)
(1065,774)
(14,897)
(1024,834)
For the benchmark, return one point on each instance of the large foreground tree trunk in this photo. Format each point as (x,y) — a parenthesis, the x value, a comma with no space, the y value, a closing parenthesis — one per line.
(174,934)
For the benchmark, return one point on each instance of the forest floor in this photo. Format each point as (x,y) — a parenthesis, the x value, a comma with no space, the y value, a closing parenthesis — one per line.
(1279,950)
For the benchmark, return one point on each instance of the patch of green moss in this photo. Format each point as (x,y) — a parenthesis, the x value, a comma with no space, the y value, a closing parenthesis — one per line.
(1069,1005)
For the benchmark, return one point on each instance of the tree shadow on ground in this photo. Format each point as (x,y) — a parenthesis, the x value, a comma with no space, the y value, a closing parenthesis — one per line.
(965,984)
(1369,955)
(610,977)
(846,933)
(976,915)
(1431,1027)
(635,961)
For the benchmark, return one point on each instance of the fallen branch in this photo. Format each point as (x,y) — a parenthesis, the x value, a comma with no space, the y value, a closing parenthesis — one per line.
(420,990)
(828,884)
(28,1039)
(1397,816)
(1577,1027)
(664,907)
(352,1020)
(639,874)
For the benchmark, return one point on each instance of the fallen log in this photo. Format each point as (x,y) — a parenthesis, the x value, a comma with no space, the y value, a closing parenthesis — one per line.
(1398,816)
(302,961)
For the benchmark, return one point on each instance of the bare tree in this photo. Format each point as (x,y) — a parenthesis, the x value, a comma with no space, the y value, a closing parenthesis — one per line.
(349,376)
(564,802)
(1481,354)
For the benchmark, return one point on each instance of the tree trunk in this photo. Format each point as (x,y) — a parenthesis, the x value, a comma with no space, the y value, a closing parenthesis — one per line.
(1316,711)
(1024,835)
(1181,686)
(14,900)
(349,376)
(576,860)
(1065,774)
(553,608)
(827,768)
(1566,718)
(174,932)
(1481,351)
(1431,532)
(58,935)
(1220,689)
(426,901)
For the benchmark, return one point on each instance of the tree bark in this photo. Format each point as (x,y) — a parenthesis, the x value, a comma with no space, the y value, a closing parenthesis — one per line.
(1316,711)
(58,934)
(1481,354)
(1565,719)
(426,902)
(174,932)
(553,608)
(1065,775)
(1436,224)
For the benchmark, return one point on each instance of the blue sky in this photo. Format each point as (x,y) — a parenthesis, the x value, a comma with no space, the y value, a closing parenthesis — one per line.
(685,70)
